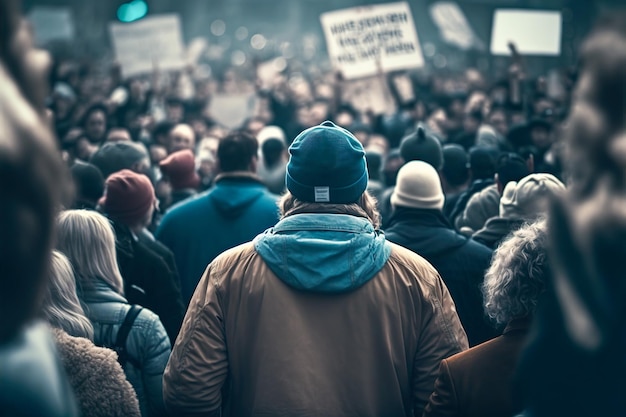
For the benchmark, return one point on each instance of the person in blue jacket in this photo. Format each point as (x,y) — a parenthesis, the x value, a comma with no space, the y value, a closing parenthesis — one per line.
(234,211)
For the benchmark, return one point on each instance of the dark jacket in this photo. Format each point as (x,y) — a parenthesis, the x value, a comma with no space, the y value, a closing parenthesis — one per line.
(148,281)
(463,199)
(460,261)
(496,230)
(234,211)
(479,382)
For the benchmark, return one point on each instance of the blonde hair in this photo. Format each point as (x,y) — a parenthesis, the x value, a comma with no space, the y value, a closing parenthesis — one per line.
(365,207)
(86,237)
(61,307)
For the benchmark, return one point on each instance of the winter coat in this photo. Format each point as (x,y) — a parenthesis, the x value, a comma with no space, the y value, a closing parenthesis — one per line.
(98,380)
(319,315)
(32,380)
(496,230)
(461,203)
(460,261)
(480,382)
(234,211)
(147,344)
(148,281)
(481,207)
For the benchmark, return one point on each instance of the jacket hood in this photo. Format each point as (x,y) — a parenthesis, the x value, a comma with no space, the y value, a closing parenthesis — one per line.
(326,253)
(427,231)
(234,193)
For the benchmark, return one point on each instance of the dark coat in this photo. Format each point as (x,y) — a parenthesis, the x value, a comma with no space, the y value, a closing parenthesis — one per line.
(496,230)
(463,199)
(148,281)
(461,263)
(479,381)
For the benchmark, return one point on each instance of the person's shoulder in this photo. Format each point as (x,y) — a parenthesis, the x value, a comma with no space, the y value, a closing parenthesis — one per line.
(475,355)
(405,259)
(234,256)
(78,352)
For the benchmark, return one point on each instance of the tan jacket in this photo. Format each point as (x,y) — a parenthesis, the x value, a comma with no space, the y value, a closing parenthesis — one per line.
(254,346)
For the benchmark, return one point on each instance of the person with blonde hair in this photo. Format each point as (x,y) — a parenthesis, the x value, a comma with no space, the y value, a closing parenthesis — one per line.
(319,315)
(87,239)
(98,380)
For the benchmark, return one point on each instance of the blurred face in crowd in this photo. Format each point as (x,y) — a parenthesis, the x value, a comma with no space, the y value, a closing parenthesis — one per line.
(136,89)
(174,112)
(96,126)
(497,120)
(118,134)
(254,126)
(470,124)
(157,153)
(344,119)
(541,137)
(209,144)
(84,148)
(182,137)
(318,112)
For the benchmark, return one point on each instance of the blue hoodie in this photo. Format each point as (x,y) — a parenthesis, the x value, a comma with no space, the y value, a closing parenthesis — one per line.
(326,253)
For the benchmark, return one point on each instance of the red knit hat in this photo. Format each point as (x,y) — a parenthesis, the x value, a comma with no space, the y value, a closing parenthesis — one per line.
(127,196)
(180,169)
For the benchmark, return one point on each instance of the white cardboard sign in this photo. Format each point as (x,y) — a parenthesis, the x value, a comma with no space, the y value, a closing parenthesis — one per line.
(534,32)
(51,23)
(363,41)
(154,40)
(453,26)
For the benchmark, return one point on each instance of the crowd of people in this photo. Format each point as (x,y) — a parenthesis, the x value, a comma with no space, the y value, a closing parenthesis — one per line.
(321,258)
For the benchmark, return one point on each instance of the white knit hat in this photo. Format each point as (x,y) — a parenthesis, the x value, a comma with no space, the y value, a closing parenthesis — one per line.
(418,186)
(528,198)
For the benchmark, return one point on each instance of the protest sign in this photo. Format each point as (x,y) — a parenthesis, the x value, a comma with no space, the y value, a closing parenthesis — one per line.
(369,94)
(155,40)
(231,110)
(533,32)
(364,41)
(51,24)
(453,26)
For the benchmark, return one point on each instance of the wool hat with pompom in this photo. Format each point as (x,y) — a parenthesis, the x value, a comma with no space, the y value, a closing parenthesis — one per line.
(327,165)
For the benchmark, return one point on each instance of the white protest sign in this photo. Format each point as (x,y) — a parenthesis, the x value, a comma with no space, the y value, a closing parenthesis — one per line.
(267,72)
(534,32)
(362,41)
(453,26)
(369,94)
(231,110)
(154,40)
(51,23)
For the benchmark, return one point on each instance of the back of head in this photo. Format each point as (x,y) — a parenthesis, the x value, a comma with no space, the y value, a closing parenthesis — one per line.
(272,150)
(327,165)
(236,152)
(418,186)
(483,162)
(128,197)
(518,274)
(422,145)
(30,178)
(456,164)
(61,307)
(374,163)
(87,239)
(89,183)
(529,198)
(115,156)
(511,167)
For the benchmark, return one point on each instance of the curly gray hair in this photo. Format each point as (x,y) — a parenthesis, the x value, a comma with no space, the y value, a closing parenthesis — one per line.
(518,274)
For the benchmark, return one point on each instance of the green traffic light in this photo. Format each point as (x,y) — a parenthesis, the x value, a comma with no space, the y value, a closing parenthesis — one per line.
(129,12)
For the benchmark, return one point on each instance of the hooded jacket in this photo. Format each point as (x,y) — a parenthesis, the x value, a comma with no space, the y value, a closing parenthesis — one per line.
(318,316)
(234,211)
(147,344)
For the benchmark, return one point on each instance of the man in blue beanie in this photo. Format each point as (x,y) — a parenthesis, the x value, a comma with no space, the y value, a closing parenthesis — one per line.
(319,315)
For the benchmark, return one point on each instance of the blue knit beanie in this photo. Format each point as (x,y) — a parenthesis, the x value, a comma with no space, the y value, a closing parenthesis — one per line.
(327,165)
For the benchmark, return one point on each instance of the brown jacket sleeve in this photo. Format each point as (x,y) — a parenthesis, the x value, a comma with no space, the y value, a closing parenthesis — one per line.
(441,336)
(443,401)
(198,366)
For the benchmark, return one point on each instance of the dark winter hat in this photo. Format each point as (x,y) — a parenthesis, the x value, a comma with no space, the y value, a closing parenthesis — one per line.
(422,146)
(327,165)
(127,196)
(456,164)
(180,169)
(115,156)
(88,180)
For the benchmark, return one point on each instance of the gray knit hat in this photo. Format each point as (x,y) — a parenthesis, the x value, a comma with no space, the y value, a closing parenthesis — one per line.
(418,186)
